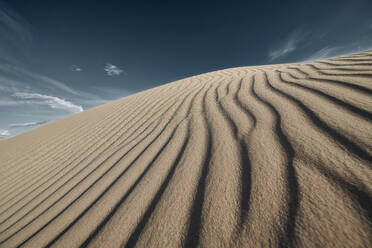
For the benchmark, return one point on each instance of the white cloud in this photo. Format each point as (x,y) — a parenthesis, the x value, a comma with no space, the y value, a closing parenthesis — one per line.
(51,101)
(27,124)
(113,70)
(76,68)
(4,133)
(290,45)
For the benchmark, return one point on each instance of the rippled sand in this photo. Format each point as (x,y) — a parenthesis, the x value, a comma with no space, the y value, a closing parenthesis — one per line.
(262,156)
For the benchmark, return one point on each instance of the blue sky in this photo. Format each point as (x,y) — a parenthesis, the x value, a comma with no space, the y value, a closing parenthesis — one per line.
(59,58)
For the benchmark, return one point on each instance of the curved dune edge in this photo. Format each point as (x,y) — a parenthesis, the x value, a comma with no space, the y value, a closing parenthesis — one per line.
(264,156)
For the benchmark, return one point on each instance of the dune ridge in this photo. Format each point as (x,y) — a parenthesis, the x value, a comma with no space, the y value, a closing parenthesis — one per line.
(259,156)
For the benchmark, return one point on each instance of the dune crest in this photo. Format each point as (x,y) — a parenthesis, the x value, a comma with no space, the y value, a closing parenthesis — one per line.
(262,156)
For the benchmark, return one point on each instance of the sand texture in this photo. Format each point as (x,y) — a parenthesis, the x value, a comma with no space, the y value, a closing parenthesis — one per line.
(260,156)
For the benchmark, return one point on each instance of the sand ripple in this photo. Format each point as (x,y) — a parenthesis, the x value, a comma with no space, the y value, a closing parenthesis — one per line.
(263,156)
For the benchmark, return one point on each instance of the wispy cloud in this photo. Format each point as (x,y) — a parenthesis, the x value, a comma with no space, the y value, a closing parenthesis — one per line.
(27,124)
(51,101)
(76,68)
(329,51)
(289,46)
(345,31)
(6,103)
(27,96)
(15,33)
(113,70)
(37,78)
(14,24)
(323,53)
(4,133)
(16,39)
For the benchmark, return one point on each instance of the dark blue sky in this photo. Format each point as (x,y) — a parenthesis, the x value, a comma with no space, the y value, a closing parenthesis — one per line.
(154,42)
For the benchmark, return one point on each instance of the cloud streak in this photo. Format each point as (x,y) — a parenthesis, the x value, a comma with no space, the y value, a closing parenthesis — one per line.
(27,95)
(289,46)
(52,101)
(323,53)
(113,70)
(27,124)
(27,77)
(15,35)
(329,51)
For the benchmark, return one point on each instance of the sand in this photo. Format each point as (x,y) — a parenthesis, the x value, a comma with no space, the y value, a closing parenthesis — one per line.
(260,156)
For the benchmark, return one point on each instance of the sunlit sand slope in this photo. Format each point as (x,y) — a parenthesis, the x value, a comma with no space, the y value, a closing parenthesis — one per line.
(264,156)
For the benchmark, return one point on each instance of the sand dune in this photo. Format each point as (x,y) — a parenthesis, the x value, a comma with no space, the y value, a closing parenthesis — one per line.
(264,156)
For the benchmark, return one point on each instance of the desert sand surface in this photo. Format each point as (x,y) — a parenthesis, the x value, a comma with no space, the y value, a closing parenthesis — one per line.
(259,156)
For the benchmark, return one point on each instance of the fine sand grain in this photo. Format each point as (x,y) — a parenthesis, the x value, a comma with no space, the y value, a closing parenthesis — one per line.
(262,156)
